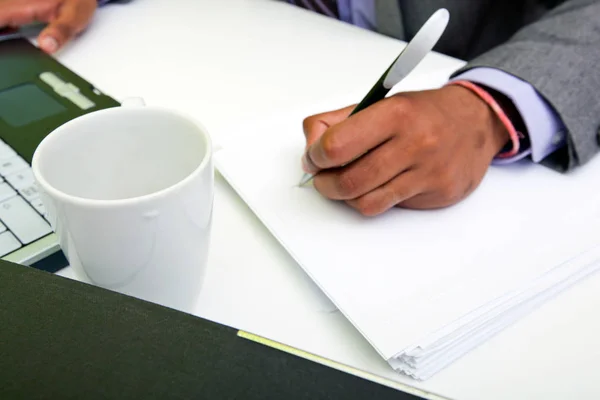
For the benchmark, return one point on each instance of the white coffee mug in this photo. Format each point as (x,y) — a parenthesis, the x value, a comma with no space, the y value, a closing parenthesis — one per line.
(129,193)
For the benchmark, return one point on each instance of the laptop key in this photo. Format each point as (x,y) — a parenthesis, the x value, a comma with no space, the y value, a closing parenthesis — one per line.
(6,192)
(30,193)
(6,151)
(22,220)
(21,179)
(11,165)
(39,206)
(8,243)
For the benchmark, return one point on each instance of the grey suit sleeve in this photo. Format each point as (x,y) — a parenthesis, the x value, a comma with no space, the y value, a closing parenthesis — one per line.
(560,56)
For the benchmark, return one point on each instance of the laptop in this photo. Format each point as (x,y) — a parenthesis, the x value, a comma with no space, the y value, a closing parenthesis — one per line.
(37,94)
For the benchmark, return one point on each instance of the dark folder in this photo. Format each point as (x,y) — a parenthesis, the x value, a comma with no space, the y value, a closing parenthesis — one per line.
(62,339)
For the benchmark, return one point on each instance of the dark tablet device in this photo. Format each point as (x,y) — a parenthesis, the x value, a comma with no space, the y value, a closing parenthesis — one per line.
(37,94)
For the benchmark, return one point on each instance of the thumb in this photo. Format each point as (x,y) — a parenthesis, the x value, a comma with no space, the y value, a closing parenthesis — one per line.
(72,18)
(316,125)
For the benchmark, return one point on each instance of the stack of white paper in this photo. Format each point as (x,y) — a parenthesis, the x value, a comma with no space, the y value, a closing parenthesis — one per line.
(424,287)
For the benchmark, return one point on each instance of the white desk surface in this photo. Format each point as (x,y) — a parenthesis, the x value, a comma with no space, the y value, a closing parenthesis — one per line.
(223,61)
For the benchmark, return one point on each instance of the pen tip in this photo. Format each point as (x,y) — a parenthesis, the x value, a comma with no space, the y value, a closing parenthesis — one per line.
(305,179)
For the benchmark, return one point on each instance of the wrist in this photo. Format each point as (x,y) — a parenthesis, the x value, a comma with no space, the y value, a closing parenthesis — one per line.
(482,118)
(507,119)
(513,115)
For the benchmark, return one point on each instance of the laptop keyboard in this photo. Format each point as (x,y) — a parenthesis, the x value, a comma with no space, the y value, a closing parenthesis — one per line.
(22,213)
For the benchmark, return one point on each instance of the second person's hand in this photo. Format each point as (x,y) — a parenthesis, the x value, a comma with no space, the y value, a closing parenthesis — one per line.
(65,18)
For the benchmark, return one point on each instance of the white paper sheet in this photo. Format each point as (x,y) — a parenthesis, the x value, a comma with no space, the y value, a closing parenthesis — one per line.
(429,358)
(405,275)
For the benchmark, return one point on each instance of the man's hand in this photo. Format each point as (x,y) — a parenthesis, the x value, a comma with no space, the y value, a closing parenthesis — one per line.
(65,18)
(418,150)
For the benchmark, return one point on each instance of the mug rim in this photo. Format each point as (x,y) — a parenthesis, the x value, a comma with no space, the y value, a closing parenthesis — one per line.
(83,201)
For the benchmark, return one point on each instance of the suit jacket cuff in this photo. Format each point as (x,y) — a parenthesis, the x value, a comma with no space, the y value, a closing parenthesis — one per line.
(545,129)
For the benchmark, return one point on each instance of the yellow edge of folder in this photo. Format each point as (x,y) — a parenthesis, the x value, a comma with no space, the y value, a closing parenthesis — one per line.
(340,367)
